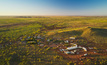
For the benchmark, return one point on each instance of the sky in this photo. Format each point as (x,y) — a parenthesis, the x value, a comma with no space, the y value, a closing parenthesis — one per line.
(53,7)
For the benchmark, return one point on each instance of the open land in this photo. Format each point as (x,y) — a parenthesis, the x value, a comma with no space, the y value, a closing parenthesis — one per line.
(53,40)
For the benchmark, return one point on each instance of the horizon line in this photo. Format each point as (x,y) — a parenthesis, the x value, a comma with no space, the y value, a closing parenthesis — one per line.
(53,15)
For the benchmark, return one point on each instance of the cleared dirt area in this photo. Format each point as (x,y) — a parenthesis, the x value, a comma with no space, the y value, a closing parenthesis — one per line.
(91,53)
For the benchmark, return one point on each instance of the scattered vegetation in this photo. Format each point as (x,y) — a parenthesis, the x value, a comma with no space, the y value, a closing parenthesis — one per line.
(90,31)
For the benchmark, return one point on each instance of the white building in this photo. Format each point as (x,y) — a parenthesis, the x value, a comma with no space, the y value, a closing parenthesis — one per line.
(60,49)
(84,48)
(72,52)
(90,47)
(48,40)
(67,52)
(41,45)
(72,38)
(72,47)
(85,54)
(79,46)
(66,41)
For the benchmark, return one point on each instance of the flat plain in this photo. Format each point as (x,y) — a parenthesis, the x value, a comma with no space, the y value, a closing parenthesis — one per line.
(37,40)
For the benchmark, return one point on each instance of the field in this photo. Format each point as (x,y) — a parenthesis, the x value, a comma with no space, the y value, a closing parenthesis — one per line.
(17,32)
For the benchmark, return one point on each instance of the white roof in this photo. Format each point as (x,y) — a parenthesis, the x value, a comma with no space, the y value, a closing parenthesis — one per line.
(67,52)
(84,48)
(73,47)
(90,47)
(72,37)
(66,41)
(85,54)
(70,48)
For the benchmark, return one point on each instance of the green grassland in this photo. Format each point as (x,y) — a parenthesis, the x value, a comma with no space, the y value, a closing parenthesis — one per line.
(92,28)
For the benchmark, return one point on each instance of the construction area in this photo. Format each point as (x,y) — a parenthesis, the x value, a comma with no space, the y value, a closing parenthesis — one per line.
(67,48)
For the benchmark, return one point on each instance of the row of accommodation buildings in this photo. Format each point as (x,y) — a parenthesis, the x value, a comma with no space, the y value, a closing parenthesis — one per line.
(75,49)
